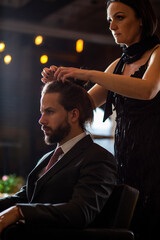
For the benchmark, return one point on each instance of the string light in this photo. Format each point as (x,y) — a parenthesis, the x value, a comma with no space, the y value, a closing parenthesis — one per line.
(2,46)
(79,45)
(7,59)
(44,59)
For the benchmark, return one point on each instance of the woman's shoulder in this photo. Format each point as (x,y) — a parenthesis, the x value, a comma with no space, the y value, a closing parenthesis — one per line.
(111,67)
(155,50)
(154,54)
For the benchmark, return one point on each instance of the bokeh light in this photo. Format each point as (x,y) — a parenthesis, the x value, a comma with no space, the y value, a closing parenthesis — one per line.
(79,45)
(2,46)
(7,59)
(38,40)
(44,59)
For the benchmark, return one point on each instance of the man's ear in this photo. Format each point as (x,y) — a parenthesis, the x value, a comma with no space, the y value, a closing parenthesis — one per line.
(74,115)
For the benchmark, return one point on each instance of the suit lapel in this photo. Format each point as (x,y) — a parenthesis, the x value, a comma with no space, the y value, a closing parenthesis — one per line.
(65,160)
(33,176)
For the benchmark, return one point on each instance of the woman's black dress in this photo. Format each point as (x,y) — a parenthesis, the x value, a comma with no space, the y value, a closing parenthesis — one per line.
(137,151)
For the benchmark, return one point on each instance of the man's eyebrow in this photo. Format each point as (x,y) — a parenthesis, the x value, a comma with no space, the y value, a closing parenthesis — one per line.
(46,109)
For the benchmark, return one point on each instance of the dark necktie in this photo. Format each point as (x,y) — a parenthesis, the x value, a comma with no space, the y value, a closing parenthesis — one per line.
(54,158)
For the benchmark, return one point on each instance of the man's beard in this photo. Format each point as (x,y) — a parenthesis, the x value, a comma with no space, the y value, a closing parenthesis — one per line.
(58,134)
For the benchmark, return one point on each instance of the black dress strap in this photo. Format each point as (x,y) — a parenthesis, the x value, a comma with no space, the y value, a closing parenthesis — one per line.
(110,96)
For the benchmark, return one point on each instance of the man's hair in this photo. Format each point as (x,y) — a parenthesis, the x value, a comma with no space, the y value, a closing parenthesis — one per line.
(72,96)
(143,10)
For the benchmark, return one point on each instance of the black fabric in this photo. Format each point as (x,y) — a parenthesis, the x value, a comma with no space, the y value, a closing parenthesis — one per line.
(25,232)
(137,154)
(130,55)
(135,51)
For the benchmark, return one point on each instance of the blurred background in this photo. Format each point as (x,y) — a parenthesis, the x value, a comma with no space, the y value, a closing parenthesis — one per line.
(37,34)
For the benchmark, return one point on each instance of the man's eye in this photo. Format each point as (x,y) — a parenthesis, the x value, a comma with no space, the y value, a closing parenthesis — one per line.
(49,111)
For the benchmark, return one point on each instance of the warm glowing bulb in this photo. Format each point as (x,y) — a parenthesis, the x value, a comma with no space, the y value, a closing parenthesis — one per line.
(44,59)
(79,45)
(7,59)
(38,40)
(2,47)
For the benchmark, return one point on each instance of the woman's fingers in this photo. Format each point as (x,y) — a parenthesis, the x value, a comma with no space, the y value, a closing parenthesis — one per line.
(47,75)
(53,68)
(63,73)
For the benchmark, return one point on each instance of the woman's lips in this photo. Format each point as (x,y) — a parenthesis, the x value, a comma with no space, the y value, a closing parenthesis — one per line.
(116,34)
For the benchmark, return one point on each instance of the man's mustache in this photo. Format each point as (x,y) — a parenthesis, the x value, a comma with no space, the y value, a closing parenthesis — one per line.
(44,128)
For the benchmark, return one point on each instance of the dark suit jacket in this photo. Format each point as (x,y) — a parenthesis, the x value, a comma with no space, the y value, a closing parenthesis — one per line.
(70,194)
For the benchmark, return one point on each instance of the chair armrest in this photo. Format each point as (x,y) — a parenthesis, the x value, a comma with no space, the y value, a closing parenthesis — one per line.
(107,234)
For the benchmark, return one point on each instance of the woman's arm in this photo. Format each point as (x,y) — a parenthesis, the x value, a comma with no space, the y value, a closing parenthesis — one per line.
(99,93)
(145,88)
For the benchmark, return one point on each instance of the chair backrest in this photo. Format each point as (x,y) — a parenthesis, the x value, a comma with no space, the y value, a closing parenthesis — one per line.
(119,209)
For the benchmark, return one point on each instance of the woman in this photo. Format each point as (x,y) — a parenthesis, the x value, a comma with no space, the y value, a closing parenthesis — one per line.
(132,85)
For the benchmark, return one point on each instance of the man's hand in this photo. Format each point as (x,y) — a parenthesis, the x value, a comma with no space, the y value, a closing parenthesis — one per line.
(9,216)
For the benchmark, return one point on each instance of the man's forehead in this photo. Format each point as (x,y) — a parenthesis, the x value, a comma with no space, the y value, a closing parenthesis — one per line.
(49,100)
(50,97)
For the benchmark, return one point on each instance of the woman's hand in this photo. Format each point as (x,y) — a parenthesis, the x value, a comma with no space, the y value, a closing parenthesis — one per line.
(55,73)
(66,73)
(48,74)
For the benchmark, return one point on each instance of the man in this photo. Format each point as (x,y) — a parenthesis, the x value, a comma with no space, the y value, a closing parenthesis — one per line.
(73,190)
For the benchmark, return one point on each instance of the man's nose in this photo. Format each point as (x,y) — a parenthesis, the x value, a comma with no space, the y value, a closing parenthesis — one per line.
(42,120)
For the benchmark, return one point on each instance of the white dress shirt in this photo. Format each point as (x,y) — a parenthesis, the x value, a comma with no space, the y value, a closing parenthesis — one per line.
(69,144)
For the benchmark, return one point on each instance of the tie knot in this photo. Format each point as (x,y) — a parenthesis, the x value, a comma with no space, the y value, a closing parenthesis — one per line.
(58,152)
(54,158)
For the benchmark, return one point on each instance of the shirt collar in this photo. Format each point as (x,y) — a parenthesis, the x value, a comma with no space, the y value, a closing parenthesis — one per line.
(69,144)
